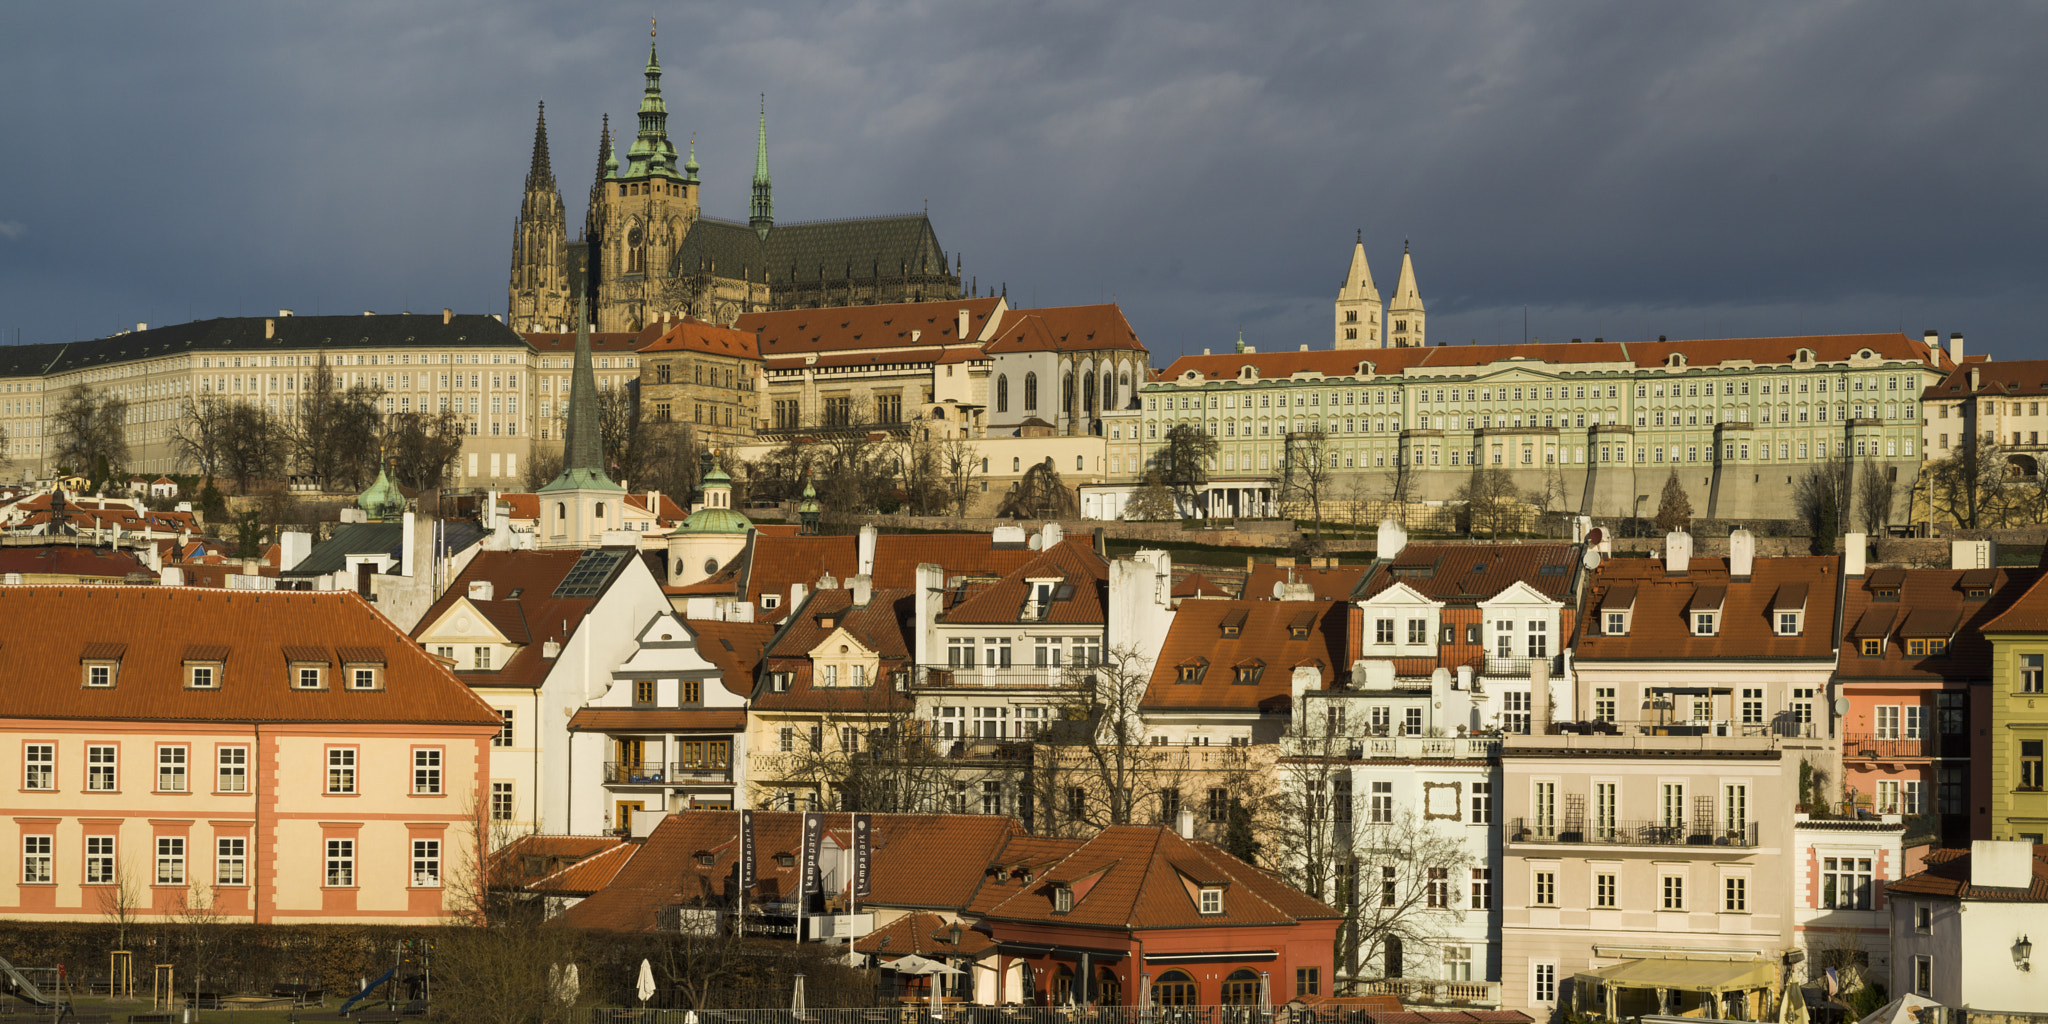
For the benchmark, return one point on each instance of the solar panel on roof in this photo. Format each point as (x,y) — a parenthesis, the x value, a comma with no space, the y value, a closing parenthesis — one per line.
(587,577)
(1553,569)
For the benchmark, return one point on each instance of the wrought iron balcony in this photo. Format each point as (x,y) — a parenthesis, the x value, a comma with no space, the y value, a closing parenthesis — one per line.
(1869,747)
(1518,668)
(623,773)
(1621,832)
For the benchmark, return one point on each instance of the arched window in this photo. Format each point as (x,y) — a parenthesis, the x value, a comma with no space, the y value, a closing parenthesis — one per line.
(1088,391)
(1241,988)
(1393,957)
(1067,394)
(1003,392)
(1174,988)
(1108,391)
(600,511)
(1031,392)
(1062,986)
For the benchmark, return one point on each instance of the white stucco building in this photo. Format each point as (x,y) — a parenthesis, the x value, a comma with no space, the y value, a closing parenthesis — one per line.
(1962,930)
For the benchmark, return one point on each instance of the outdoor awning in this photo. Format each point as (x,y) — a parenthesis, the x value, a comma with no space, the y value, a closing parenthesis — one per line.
(1687,975)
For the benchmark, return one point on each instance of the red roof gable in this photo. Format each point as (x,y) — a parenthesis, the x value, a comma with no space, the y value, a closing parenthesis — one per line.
(1148,877)
(1659,629)
(1218,639)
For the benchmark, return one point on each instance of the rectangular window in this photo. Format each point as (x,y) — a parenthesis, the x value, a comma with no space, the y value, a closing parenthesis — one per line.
(1482,803)
(341,770)
(1673,892)
(1753,706)
(1735,810)
(170,860)
(306,677)
(99,860)
(1308,981)
(1383,631)
(341,862)
(231,862)
(101,775)
(1219,805)
(1389,889)
(426,772)
(1888,722)
(426,863)
(501,801)
(1845,883)
(1544,893)
(1482,889)
(1458,963)
(36,858)
(1671,809)
(1539,639)
(1735,895)
(1603,703)
(1544,983)
(503,737)
(1604,891)
(1515,715)
(1418,631)
(2030,673)
(1382,807)
(2030,764)
(232,775)
(39,766)
(1437,892)
(170,769)
(1212,901)
(1923,975)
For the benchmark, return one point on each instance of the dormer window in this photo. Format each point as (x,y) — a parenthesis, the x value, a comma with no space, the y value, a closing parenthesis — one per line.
(1788,609)
(100,675)
(1248,673)
(1617,610)
(785,860)
(1788,623)
(1873,647)
(202,677)
(1232,623)
(102,664)
(1937,645)
(307,677)
(1062,899)
(1212,900)
(707,859)
(1703,623)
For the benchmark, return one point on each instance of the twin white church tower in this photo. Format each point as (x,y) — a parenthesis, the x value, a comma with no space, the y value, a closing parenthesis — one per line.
(1362,320)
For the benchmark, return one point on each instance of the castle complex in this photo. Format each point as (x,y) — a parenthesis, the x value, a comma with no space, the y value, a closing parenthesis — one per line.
(652,252)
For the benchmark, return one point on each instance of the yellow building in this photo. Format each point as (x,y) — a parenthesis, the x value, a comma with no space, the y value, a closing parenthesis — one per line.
(2019,716)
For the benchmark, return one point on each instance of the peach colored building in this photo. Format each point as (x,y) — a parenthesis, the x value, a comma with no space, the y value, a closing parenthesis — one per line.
(273,756)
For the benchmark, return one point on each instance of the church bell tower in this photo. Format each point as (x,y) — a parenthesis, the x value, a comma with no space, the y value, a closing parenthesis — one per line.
(539,292)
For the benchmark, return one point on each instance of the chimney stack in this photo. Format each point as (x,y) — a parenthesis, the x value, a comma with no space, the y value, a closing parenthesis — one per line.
(1955,346)
(284,312)
(447,314)
(1677,552)
(1741,554)
(1855,554)
(1932,339)
(963,325)
(269,329)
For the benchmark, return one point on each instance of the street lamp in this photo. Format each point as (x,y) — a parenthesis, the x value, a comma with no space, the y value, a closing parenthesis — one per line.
(2022,953)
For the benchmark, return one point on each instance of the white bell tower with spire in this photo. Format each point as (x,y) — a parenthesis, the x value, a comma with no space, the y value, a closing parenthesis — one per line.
(1404,310)
(1358,304)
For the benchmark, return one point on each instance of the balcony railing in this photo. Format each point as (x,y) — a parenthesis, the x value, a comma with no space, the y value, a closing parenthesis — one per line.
(1870,747)
(623,773)
(947,676)
(1633,833)
(1477,747)
(1518,668)
(1435,992)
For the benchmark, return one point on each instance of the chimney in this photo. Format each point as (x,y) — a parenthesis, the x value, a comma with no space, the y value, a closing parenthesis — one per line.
(480,590)
(1392,539)
(172,576)
(1855,552)
(269,329)
(1677,552)
(1051,535)
(863,587)
(1955,346)
(447,314)
(1187,823)
(249,566)
(2002,864)
(284,312)
(1539,696)
(140,327)
(963,325)
(866,550)
(551,649)
(1932,339)
(408,536)
(1973,380)
(1741,554)
(797,593)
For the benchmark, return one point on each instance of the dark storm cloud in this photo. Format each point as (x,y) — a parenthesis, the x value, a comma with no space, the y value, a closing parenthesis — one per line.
(1619,170)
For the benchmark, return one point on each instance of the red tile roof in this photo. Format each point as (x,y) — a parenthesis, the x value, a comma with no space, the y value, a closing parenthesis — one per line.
(2028,612)
(1073,563)
(1195,584)
(65,560)
(1138,877)
(1702,352)
(658,720)
(693,335)
(1924,603)
(840,329)
(1065,329)
(155,626)
(925,934)
(1994,380)
(735,647)
(923,861)
(1331,584)
(535,575)
(1265,644)
(1470,573)
(774,562)
(882,625)
(602,343)
(1948,874)
(530,858)
(1659,629)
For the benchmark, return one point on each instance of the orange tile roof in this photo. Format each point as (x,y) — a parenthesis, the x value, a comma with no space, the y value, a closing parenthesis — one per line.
(1469,573)
(923,933)
(1948,875)
(921,861)
(532,857)
(156,625)
(773,562)
(658,720)
(1072,562)
(1141,877)
(1702,352)
(882,625)
(535,575)
(65,560)
(802,332)
(2028,613)
(1195,584)
(1065,329)
(735,647)
(693,335)
(1994,380)
(1264,643)
(588,875)
(1658,627)
(1924,603)
(1332,584)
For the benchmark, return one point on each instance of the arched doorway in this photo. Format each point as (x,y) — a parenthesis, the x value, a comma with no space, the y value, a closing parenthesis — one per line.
(1393,957)
(1174,988)
(1241,988)
(1109,989)
(1062,991)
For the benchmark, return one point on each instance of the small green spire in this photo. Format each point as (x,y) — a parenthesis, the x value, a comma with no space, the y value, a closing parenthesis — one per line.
(762,216)
(652,155)
(690,166)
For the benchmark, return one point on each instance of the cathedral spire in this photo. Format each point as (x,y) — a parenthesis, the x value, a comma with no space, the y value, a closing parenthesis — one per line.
(1358,303)
(762,215)
(542,173)
(1404,310)
(582,448)
(652,155)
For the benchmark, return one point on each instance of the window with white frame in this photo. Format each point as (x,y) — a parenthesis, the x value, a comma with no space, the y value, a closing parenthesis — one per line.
(170,860)
(960,652)
(501,801)
(1735,894)
(1845,883)
(37,860)
(426,863)
(1538,638)
(232,764)
(503,737)
(99,860)
(1515,710)
(1482,889)
(1672,889)
(170,769)
(1482,803)
(1606,891)
(231,861)
(39,766)
(341,863)
(1543,891)
(1543,982)
(101,769)
(341,769)
(1212,900)
(1411,721)
(1381,807)
(1504,638)
(1457,963)
(1923,975)
(426,771)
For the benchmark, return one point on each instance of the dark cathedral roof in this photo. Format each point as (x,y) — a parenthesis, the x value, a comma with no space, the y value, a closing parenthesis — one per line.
(815,250)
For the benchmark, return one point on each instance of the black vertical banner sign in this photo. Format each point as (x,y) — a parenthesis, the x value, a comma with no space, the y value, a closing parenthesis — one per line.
(863,854)
(747,878)
(814,837)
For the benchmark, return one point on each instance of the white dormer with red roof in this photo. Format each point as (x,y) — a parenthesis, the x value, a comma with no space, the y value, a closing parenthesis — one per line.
(1400,622)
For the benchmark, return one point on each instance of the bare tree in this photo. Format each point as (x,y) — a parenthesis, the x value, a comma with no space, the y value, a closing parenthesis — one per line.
(1408,873)
(1307,472)
(424,446)
(619,432)
(1491,500)
(334,434)
(543,466)
(671,459)
(1039,494)
(91,432)
(1968,486)
(1822,497)
(1183,462)
(921,470)
(961,462)
(1874,498)
(6,449)
(1102,741)
(1153,501)
(120,904)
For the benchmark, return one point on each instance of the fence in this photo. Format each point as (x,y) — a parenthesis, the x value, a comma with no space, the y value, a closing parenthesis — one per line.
(954,1013)
(1633,833)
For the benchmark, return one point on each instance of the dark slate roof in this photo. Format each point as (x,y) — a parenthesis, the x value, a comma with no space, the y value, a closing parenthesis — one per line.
(814,249)
(722,246)
(244,334)
(331,555)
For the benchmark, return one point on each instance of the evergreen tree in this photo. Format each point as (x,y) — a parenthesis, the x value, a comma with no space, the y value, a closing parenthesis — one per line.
(1674,508)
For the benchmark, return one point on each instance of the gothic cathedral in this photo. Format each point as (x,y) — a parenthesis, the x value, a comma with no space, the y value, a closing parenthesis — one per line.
(651,252)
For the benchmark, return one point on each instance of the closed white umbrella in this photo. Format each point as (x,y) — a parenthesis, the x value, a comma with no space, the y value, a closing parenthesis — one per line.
(645,988)
(796,999)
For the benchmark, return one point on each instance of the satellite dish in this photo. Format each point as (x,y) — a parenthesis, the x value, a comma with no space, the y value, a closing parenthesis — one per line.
(1035,542)
(1841,707)
(1593,536)
(1279,589)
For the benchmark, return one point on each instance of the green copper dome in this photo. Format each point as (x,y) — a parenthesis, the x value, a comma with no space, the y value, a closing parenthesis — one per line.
(810,502)
(382,501)
(715,520)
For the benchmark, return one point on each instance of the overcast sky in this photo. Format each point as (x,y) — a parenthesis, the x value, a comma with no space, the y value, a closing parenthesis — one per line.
(1620,170)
